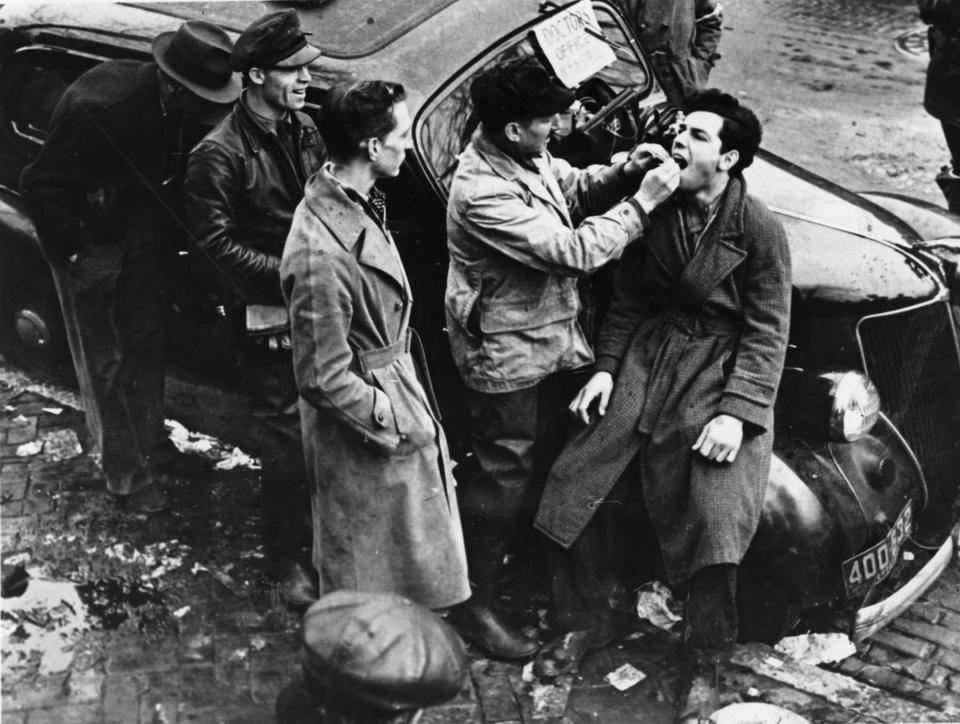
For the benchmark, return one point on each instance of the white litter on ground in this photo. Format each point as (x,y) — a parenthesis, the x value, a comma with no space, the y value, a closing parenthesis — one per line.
(60,444)
(817,648)
(655,604)
(625,677)
(227,457)
(29,448)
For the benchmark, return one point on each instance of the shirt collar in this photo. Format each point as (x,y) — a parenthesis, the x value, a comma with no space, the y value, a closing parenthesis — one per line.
(268,125)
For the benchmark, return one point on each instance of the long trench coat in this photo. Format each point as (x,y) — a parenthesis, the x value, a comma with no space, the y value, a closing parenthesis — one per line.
(687,338)
(384,504)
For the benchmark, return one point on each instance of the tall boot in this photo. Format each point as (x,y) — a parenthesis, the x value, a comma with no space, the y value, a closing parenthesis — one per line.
(476,620)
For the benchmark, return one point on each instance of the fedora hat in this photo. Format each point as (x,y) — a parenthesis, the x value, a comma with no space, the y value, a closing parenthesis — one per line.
(197,55)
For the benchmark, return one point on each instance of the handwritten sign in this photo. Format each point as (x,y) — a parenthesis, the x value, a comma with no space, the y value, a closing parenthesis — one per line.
(573,44)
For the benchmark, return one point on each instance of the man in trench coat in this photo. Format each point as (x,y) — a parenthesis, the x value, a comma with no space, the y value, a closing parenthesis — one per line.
(385,516)
(688,364)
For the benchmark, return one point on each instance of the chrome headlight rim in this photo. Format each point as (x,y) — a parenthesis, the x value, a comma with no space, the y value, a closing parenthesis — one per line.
(854,405)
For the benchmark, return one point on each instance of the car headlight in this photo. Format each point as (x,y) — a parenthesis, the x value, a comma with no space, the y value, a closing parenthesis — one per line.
(854,405)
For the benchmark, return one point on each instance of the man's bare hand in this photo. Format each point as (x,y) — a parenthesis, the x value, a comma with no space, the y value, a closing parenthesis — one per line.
(644,157)
(598,386)
(658,185)
(720,439)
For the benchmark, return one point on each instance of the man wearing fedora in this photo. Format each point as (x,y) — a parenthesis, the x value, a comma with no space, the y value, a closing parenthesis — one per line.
(244,181)
(104,194)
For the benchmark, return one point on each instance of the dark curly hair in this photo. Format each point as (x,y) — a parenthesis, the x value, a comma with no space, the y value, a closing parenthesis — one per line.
(355,112)
(740,131)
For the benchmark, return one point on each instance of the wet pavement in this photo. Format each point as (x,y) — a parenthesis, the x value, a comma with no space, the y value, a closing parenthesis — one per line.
(112,617)
(838,85)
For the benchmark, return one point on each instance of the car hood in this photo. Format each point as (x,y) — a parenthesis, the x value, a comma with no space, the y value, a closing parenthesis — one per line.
(845,250)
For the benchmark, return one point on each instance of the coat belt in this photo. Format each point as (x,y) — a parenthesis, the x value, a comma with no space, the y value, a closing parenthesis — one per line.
(371,359)
(700,326)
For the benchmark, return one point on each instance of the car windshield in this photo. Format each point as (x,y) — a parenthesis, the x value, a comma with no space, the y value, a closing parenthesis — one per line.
(619,97)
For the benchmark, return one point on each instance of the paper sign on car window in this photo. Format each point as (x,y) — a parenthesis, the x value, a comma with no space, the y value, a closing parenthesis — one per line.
(572,43)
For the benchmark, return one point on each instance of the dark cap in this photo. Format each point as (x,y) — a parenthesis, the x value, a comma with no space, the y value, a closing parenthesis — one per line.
(273,41)
(197,55)
(519,88)
(381,650)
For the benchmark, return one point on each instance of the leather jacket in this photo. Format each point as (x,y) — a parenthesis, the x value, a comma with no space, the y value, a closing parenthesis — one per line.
(242,188)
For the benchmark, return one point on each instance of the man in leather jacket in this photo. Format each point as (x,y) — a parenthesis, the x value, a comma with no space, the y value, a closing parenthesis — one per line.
(244,181)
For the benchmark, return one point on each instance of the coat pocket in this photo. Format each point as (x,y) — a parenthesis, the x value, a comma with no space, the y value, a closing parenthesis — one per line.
(411,418)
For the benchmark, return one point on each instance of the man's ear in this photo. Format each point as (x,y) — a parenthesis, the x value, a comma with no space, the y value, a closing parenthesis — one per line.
(257,76)
(728,160)
(511,131)
(373,148)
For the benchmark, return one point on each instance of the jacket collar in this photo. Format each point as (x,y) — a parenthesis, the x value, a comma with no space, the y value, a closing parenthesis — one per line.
(540,182)
(719,252)
(350,225)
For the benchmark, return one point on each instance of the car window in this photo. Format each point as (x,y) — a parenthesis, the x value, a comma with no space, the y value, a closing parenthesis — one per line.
(32,82)
(624,90)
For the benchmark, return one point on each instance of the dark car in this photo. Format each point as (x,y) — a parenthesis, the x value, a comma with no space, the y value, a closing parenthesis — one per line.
(858,519)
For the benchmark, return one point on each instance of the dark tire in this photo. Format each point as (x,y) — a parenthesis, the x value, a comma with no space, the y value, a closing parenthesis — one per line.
(31,325)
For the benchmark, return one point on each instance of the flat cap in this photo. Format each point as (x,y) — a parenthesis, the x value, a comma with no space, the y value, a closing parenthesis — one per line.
(518,88)
(274,40)
(381,650)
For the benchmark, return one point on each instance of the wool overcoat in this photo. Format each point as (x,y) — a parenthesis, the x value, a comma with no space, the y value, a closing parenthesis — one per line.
(384,501)
(687,338)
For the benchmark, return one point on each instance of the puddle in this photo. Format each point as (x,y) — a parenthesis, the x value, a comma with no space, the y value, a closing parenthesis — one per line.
(43,621)
(111,602)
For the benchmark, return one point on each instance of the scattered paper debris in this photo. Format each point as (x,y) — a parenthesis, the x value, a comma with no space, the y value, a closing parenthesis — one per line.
(257,643)
(817,648)
(60,444)
(773,661)
(655,604)
(181,612)
(237,458)
(550,699)
(908,556)
(53,410)
(526,675)
(625,677)
(46,619)
(20,419)
(29,448)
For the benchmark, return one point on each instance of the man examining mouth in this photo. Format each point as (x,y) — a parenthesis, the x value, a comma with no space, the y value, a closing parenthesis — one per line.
(523,229)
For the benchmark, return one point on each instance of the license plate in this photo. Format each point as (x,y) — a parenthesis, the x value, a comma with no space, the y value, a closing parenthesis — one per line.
(874,564)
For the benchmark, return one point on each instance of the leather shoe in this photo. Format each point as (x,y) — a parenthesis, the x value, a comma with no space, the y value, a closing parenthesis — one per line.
(149,499)
(299,586)
(480,625)
(171,461)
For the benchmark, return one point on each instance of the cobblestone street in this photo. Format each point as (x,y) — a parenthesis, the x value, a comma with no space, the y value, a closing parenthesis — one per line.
(175,618)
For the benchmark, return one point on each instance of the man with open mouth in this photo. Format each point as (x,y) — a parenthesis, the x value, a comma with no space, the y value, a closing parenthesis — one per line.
(678,416)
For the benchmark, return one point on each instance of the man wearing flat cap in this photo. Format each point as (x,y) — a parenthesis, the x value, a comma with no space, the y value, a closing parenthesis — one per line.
(105,195)
(244,181)
(372,658)
(523,228)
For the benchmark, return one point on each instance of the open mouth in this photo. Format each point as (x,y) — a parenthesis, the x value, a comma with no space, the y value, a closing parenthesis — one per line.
(681,162)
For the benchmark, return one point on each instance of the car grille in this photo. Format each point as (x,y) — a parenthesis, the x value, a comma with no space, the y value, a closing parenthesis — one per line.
(912,357)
